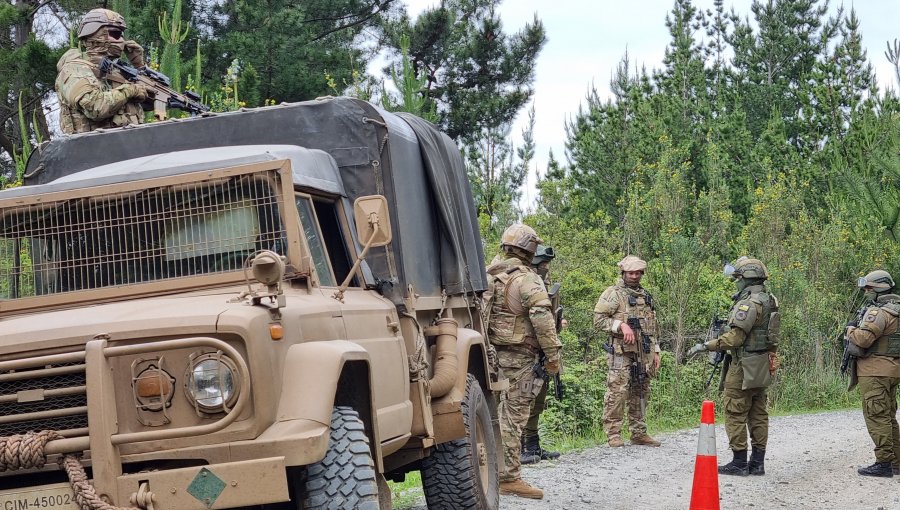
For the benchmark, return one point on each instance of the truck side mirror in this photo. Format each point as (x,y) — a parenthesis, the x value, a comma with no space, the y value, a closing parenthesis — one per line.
(373,221)
(373,228)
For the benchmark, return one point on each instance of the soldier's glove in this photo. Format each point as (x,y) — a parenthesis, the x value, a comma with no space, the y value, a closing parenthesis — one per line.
(135,53)
(774,363)
(697,349)
(135,92)
(552,366)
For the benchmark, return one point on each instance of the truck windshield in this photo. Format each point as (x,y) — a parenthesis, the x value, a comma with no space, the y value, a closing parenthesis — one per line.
(121,239)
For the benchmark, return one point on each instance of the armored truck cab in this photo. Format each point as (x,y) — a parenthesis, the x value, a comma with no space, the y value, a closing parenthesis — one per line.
(276,307)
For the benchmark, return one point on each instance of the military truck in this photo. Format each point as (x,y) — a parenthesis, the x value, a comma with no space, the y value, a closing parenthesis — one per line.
(271,308)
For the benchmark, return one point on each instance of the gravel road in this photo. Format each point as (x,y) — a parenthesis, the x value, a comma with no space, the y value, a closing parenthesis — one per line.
(811,464)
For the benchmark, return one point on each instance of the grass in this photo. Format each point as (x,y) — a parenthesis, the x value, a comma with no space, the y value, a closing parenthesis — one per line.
(407,493)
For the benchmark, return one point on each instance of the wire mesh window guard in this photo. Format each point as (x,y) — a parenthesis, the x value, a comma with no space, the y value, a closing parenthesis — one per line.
(159,233)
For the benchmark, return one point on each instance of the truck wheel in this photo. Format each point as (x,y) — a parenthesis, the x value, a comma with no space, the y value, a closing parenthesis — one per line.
(345,479)
(463,473)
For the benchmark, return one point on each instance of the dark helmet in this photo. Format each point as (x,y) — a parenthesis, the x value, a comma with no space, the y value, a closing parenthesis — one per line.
(879,281)
(543,254)
(96,19)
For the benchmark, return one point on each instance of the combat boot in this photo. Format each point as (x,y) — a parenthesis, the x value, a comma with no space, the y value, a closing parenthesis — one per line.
(880,469)
(757,464)
(645,440)
(520,488)
(531,450)
(895,469)
(738,465)
(545,454)
(616,442)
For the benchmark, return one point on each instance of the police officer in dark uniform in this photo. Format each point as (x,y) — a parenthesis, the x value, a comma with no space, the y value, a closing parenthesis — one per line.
(878,370)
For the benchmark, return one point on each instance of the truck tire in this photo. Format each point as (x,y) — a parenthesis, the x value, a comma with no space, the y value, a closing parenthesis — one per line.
(345,479)
(463,473)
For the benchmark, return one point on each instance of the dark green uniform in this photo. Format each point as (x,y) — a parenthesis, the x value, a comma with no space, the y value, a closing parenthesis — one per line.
(750,336)
(879,374)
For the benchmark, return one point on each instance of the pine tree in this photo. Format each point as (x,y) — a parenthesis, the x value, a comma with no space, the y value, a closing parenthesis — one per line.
(27,72)
(291,45)
(479,76)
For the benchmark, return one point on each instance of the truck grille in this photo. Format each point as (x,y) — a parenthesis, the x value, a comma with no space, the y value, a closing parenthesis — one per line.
(45,398)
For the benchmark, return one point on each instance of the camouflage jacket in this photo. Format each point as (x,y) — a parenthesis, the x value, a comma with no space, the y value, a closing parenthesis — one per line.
(87,102)
(520,311)
(616,305)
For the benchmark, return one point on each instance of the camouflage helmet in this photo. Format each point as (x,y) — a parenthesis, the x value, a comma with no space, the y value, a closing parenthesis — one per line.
(748,268)
(543,254)
(96,19)
(879,281)
(632,263)
(519,235)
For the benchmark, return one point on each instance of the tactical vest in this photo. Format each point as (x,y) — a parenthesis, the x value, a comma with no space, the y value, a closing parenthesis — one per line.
(73,120)
(888,345)
(638,304)
(764,334)
(508,322)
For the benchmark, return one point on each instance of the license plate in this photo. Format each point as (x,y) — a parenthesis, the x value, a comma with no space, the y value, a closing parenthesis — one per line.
(46,497)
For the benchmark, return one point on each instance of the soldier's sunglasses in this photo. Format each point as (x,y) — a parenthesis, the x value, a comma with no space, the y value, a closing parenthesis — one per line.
(114,33)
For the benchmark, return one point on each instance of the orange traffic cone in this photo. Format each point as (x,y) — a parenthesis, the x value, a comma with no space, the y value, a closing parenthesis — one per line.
(705,492)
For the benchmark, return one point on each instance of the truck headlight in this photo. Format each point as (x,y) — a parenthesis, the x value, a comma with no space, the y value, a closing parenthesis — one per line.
(211,384)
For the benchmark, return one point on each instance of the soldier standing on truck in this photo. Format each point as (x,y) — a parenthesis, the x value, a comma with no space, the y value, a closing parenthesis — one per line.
(751,339)
(86,101)
(531,439)
(878,370)
(625,310)
(521,325)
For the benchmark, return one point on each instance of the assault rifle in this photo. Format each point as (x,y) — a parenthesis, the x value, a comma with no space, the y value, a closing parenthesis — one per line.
(557,306)
(540,372)
(159,88)
(558,316)
(851,351)
(638,371)
(716,358)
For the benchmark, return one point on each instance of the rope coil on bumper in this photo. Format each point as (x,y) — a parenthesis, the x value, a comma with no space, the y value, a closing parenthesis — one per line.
(26,451)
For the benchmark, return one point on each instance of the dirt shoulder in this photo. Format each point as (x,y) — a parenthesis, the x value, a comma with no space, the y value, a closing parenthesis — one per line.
(811,464)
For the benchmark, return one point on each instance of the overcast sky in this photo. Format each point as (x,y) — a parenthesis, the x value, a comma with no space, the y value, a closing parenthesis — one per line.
(586,39)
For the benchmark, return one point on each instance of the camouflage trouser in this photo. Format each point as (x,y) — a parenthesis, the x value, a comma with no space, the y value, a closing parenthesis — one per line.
(515,407)
(531,428)
(746,409)
(620,390)
(879,395)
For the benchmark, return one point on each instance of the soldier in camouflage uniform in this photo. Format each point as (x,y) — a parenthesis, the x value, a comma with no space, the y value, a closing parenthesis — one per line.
(531,439)
(88,101)
(634,356)
(751,339)
(878,370)
(520,326)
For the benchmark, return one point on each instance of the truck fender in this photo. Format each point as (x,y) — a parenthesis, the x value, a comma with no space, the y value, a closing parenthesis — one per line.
(319,375)
(472,355)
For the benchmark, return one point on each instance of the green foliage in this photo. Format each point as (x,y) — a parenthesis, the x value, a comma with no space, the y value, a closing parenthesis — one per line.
(173,33)
(785,152)
(290,44)
(411,86)
(479,75)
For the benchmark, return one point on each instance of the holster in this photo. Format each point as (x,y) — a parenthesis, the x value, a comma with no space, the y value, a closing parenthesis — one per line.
(854,378)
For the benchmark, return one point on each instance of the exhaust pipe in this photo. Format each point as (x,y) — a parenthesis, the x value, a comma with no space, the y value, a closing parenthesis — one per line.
(445,360)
